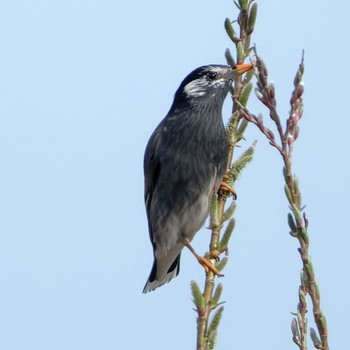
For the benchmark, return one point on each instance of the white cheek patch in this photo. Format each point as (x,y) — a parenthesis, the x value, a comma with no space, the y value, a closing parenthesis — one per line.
(202,87)
(196,88)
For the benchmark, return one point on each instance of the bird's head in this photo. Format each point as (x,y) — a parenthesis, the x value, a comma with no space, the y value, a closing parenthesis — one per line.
(207,83)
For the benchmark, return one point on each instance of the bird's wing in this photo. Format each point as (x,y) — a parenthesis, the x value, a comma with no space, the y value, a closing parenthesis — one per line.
(151,167)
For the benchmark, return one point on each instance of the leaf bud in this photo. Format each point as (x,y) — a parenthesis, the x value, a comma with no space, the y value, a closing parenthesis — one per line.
(258,94)
(300,89)
(230,31)
(270,133)
(252,18)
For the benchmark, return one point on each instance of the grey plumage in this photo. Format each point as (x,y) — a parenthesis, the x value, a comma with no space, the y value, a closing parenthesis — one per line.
(184,162)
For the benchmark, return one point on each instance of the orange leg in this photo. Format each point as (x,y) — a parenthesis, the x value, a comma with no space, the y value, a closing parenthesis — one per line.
(203,261)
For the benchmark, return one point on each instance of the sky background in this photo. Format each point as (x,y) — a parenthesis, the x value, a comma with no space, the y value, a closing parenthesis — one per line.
(82,86)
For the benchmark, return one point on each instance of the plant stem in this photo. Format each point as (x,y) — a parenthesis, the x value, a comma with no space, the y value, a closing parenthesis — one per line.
(266,95)
(216,225)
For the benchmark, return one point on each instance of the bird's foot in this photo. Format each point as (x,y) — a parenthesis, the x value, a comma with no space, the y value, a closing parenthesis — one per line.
(204,261)
(226,189)
(215,254)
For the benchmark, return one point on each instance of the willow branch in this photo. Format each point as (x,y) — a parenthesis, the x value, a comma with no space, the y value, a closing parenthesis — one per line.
(209,299)
(297,221)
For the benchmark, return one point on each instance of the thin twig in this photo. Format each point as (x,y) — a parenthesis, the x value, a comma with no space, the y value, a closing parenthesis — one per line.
(298,222)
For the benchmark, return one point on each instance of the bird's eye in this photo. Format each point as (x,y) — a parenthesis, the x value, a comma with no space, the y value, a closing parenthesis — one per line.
(211,75)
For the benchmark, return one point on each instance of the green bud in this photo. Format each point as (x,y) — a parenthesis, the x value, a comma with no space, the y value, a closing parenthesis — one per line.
(215,321)
(214,211)
(252,18)
(317,291)
(240,50)
(198,299)
(211,334)
(229,59)
(295,330)
(291,223)
(303,279)
(297,213)
(222,263)
(241,128)
(227,234)
(309,268)
(217,294)
(317,342)
(247,44)
(299,74)
(240,164)
(297,190)
(288,193)
(302,296)
(229,212)
(304,234)
(230,31)
(243,98)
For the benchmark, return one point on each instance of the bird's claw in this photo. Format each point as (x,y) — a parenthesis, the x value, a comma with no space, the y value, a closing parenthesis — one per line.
(226,189)
(208,266)
(215,254)
(204,261)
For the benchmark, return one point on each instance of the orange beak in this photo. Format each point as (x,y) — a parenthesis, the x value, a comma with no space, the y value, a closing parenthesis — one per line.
(242,68)
(238,70)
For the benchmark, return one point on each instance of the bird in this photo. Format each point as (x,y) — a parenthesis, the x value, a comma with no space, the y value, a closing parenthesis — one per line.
(184,163)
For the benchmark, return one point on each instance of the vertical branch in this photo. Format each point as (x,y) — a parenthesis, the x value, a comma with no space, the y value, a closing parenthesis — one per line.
(297,220)
(208,300)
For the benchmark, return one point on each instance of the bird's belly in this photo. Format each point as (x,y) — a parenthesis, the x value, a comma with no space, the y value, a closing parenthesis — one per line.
(181,213)
(194,217)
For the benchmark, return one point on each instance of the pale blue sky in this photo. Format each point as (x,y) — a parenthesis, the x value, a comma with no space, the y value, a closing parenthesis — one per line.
(82,86)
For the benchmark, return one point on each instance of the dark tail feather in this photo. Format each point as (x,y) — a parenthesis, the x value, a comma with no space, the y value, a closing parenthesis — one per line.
(153,283)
